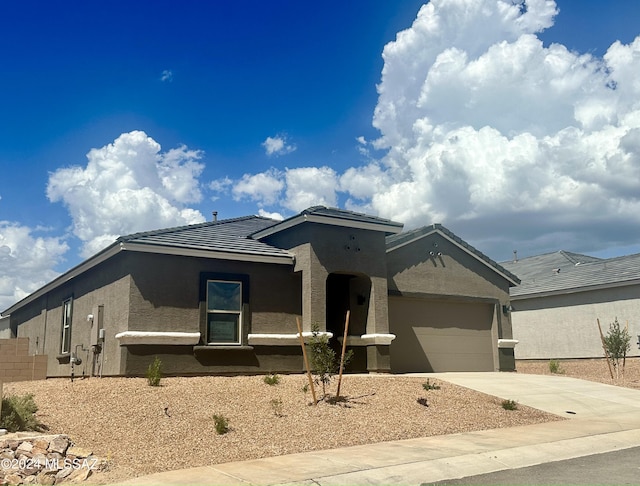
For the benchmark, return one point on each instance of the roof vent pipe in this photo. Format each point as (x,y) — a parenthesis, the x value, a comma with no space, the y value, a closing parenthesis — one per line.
(215,215)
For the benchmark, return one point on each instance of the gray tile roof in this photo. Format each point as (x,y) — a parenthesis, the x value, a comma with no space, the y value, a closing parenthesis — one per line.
(563,272)
(340,217)
(400,239)
(228,235)
(349,215)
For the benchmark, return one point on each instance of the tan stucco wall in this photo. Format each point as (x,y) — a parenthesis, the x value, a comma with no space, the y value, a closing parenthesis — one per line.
(565,326)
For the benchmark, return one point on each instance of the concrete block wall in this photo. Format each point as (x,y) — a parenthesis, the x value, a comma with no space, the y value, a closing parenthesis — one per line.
(17,365)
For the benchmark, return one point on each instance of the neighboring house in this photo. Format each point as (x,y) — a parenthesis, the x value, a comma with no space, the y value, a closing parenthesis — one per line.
(562,295)
(224,297)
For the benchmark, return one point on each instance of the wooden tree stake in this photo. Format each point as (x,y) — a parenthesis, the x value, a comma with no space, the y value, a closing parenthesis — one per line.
(606,353)
(344,349)
(306,362)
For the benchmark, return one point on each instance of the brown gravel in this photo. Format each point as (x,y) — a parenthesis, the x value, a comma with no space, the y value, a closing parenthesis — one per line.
(124,419)
(587,369)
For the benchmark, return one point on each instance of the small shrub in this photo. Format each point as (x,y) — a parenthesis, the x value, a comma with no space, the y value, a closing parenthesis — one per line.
(429,386)
(272,379)
(423,401)
(277,407)
(617,342)
(509,405)
(324,362)
(18,414)
(154,372)
(305,388)
(554,367)
(221,423)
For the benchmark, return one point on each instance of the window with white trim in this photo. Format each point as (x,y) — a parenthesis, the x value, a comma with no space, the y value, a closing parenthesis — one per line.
(65,341)
(224,312)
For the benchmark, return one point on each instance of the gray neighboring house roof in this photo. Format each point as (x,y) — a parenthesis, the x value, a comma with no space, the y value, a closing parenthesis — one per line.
(396,241)
(566,272)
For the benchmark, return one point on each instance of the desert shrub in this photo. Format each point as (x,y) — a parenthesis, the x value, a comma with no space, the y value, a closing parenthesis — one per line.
(617,342)
(430,386)
(509,405)
(324,362)
(18,414)
(221,424)
(423,401)
(271,379)
(554,367)
(277,407)
(154,372)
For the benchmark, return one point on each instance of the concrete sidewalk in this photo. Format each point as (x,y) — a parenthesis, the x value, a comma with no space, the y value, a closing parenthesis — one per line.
(603,418)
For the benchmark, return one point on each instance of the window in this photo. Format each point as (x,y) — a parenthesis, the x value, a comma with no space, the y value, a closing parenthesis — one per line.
(224,312)
(65,346)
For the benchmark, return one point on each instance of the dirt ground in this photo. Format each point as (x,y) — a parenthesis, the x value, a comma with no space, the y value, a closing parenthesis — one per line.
(141,429)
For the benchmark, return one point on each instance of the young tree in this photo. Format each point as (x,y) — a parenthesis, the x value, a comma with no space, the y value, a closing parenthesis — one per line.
(324,362)
(617,342)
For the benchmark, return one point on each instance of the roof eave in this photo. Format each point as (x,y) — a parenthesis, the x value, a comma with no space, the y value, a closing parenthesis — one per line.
(576,290)
(79,269)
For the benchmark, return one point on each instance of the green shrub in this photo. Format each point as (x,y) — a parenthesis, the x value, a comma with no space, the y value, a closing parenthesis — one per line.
(429,386)
(509,405)
(18,414)
(324,362)
(154,372)
(272,379)
(221,423)
(617,342)
(554,367)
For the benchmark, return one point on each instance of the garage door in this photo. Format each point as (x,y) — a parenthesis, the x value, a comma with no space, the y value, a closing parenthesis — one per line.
(436,336)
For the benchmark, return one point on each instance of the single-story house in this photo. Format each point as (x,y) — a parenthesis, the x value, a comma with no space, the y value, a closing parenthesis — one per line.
(556,308)
(224,297)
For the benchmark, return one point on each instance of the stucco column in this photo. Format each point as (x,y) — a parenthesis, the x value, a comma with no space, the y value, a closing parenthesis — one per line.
(378,356)
(378,321)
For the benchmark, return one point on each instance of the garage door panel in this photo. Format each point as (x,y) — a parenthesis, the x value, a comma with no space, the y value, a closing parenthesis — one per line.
(440,336)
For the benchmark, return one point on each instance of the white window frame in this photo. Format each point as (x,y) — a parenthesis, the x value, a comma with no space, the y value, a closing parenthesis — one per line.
(67,317)
(238,313)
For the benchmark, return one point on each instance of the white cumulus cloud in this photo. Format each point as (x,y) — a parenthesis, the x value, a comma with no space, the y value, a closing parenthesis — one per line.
(278,145)
(127,186)
(27,261)
(490,131)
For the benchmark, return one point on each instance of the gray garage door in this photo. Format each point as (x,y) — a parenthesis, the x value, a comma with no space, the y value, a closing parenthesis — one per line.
(436,336)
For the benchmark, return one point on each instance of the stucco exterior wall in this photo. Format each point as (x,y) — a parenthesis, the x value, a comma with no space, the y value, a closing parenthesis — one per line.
(41,321)
(453,273)
(165,294)
(322,249)
(565,326)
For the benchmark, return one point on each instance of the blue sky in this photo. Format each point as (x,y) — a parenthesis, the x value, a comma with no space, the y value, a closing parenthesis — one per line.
(270,107)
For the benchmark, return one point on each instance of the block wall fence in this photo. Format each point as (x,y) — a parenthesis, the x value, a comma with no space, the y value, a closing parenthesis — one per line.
(17,365)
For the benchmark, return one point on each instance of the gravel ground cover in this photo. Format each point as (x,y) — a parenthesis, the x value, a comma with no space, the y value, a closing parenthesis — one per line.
(142,430)
(587,369)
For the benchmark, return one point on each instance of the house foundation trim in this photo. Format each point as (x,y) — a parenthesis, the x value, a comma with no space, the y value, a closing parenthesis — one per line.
(507,343)
(128,338)
(369,340)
